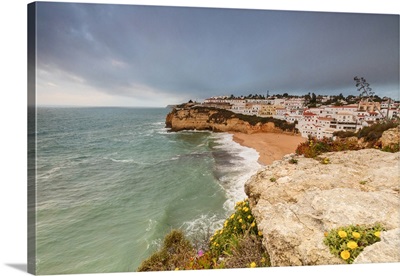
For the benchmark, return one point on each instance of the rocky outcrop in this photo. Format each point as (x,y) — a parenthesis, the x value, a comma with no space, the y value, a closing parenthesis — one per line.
(294,204)
(390,137)
(204,118)
(385,251)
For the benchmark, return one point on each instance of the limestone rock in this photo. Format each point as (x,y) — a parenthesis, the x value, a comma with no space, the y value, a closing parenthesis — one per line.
(385,251)
(390,137)
(204,118)
(310,198)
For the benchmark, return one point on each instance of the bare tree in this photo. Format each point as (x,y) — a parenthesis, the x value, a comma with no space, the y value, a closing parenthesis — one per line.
(367,93)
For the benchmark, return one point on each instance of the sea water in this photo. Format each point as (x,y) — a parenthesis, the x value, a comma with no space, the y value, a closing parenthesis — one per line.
(112,182)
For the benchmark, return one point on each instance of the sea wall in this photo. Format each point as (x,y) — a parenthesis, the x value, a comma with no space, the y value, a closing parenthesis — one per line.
(296,203)
(217,120)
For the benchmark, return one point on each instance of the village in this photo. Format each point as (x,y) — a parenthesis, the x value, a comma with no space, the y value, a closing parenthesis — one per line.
(314,116)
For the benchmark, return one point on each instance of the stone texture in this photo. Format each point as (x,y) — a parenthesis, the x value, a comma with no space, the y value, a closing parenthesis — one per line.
(310,198)
(390,137)
(385,251)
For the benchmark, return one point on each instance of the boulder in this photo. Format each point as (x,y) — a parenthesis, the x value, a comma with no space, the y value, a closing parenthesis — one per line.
(390,137)
(294,204)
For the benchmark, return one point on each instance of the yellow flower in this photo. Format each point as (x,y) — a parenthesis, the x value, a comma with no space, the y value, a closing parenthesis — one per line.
(240,208)
(342,234)
(244,226)
(211,238)
(352,244)
(240,220)
(356,235)
(377,234)
(233,216)
(345,254)
(245,209)
(234,228)
(326,234)
(249,217)
(225,223)
(253,224)
(177,268)
(253,265)
(260,233)
(222,231)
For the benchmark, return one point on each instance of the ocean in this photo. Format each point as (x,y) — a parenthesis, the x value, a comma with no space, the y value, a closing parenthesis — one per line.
(112,182)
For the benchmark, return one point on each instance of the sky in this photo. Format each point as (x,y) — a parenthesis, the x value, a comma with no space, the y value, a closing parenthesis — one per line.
(133,55)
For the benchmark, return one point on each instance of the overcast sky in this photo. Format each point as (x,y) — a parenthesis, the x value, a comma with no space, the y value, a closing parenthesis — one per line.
(126,55)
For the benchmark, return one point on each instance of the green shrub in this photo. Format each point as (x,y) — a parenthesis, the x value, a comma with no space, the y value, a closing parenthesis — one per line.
(239,242)
(348,242)
(293,161)
(314,147)
(237,245)
(175,252)
(374,132)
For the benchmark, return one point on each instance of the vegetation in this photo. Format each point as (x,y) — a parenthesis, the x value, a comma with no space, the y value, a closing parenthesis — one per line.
(348,242)
(371,134)
(237,245)
(293,161)
(314,147)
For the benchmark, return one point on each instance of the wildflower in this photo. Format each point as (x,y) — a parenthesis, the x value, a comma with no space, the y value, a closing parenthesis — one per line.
(345,254)
(356,235)
(326,234)
(177,268)
(225,223)
(245,209)
(200,253)
(253,224)
(234,228)
(211,238)
(233,216)
(240,220)
(244,226)
(249,216)
(253,265)
(352,244)
(377,234)
(221,231)
(260,233)
(342,234)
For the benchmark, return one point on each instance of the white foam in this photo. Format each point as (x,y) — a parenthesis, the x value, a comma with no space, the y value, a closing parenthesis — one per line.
(203,225)
(235,176)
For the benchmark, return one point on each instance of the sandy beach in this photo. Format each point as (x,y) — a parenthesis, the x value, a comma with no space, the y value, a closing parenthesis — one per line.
(270,146)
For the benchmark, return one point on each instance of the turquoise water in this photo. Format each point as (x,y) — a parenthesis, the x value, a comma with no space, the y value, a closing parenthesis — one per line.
(111,182)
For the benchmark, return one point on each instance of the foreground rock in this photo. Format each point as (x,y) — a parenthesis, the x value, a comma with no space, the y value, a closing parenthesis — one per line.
(294,204)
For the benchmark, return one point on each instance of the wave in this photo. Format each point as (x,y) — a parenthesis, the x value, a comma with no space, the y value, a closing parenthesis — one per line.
(234,169)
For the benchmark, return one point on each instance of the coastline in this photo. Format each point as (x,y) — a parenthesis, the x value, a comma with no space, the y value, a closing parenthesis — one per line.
(270,146)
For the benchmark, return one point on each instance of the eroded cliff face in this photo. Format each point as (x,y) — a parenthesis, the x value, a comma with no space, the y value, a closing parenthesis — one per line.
(294,204)
(210,119)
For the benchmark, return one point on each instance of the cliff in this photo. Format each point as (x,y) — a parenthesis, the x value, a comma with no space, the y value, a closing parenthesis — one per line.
(219,120)
(295,204)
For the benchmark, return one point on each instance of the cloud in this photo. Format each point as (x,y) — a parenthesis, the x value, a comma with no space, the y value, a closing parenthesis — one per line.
(184,53)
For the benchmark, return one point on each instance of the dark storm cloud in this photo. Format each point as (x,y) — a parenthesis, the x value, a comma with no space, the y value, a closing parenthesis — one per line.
(204,52)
